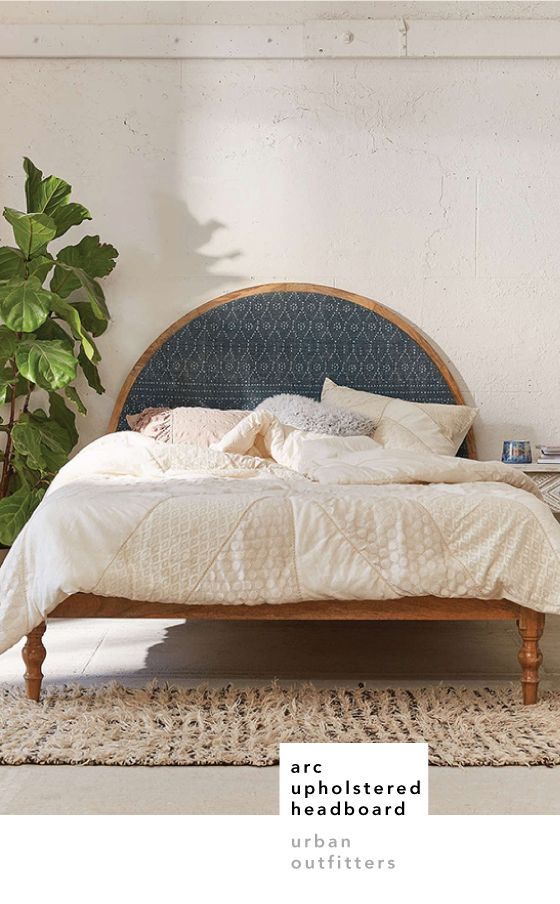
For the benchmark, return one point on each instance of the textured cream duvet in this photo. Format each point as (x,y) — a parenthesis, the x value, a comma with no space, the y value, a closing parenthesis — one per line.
(321,518)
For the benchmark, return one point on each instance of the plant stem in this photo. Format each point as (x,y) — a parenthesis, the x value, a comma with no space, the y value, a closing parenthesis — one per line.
(7,463)
(30,388)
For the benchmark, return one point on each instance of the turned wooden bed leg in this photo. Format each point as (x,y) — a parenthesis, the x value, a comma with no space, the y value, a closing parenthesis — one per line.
(531,626)
(33,656)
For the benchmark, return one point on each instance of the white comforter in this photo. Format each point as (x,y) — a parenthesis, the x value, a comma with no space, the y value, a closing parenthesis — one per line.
(322,518)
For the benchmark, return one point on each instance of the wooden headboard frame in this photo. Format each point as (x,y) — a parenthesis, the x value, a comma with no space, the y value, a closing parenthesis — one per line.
(367,303)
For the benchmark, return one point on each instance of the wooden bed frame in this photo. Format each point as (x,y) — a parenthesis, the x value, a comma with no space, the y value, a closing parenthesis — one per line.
(83,605)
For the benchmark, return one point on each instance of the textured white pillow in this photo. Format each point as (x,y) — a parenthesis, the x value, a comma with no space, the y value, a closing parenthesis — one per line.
(307,414)
(416,426)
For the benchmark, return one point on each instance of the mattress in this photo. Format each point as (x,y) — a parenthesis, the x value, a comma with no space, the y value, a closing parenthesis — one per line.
(308,518)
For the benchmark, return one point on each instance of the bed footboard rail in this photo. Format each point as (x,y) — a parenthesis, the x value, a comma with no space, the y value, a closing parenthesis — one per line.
(84,605)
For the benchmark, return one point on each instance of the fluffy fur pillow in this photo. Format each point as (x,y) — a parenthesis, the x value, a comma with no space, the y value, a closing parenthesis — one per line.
(198,426)
(317,417)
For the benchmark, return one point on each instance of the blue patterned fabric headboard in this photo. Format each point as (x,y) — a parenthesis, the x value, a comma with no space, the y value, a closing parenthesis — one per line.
(238,350)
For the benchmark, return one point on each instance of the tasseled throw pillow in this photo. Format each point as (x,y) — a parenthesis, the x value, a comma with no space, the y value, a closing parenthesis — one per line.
(198,426)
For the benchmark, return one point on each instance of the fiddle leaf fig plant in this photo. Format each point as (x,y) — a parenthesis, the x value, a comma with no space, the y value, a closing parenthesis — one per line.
(52,308)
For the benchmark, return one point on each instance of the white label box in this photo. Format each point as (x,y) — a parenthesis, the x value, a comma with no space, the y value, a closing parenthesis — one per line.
(362,782)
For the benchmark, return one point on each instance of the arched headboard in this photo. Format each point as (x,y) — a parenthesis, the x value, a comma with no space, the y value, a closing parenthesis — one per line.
(240,348)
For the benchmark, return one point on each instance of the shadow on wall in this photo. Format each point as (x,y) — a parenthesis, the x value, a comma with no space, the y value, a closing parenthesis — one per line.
(160,283)
(181,238)
(183,274)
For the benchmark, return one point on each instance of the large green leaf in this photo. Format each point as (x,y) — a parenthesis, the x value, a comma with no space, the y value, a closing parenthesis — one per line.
(51,329)
(68,215)
(32,231)
(10,381)
(12,263)
(8,342)
(32,184)
(71,393)
(6,380)
(43,195)
(63,416)
(95,258)
(94,325)
(92,288)
(40,266)
(15,512)
(24,304)
(52,193)
(48,363)
(42,442)
(95,295)
(91,256)
(22,475)
(91,373)
(69,313)
(64,281)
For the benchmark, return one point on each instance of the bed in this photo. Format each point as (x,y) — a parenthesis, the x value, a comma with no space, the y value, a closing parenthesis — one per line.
(233,352)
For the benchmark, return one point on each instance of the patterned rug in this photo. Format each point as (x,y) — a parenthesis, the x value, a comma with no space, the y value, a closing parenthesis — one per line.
(162,725)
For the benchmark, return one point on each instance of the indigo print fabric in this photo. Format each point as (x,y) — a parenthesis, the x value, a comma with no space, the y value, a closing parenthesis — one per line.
(237,354)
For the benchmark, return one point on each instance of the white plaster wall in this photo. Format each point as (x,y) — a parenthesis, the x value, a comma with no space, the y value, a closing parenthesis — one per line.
(235,12)
(431,186)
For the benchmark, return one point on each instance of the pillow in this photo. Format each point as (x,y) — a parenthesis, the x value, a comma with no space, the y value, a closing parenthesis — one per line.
(316,417)
(416,426)
(198,426)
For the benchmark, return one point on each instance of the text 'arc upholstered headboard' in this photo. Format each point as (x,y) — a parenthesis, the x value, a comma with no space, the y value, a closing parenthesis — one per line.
(238,349)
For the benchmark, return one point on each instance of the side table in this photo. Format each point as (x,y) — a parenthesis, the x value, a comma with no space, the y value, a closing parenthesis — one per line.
(547,478)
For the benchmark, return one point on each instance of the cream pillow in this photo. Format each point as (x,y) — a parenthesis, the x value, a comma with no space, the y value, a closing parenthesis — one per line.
(199,426)
(416,426)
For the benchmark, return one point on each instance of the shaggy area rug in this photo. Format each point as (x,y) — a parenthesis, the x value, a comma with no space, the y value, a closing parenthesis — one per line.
(162,725)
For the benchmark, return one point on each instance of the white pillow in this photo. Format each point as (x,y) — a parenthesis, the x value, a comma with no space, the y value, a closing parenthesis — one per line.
(416,426)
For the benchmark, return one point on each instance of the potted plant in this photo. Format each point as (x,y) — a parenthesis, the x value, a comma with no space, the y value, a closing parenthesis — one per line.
(47,335)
